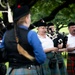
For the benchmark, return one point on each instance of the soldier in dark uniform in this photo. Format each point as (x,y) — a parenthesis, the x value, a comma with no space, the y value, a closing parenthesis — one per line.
(57,57)
(24,49)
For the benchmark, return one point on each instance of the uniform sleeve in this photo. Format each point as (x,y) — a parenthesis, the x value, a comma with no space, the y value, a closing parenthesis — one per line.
(36,44)
(2,43)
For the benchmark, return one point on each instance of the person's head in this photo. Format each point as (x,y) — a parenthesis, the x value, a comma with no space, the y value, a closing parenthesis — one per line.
(71,28)
(21,15)
(50,27)
(42,27)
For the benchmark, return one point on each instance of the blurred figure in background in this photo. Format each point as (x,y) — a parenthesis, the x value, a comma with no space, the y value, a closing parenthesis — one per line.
(71,49)
(58,42)
(48,47)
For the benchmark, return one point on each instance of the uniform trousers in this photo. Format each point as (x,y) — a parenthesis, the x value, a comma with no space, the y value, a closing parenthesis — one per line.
(30,70)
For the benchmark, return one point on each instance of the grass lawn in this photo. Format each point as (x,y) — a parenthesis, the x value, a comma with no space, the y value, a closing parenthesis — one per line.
(65,61)
(65,55)
(7,64)
(64,30)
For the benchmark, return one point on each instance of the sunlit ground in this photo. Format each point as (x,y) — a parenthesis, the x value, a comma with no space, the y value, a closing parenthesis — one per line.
(7,64)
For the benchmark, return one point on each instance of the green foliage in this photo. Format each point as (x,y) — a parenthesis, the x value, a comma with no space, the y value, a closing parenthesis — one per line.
(1,15)
(44,8)
(12,2)
(64,30)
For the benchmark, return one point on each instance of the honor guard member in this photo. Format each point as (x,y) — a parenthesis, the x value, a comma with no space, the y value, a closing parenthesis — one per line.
(57,57)
(71,49)
(47,45)
(24,49)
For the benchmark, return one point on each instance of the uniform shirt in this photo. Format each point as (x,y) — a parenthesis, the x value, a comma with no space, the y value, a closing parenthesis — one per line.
(46,42)
(71,42)
(38,50)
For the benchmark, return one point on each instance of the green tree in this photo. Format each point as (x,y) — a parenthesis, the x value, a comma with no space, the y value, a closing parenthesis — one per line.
(60,12)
